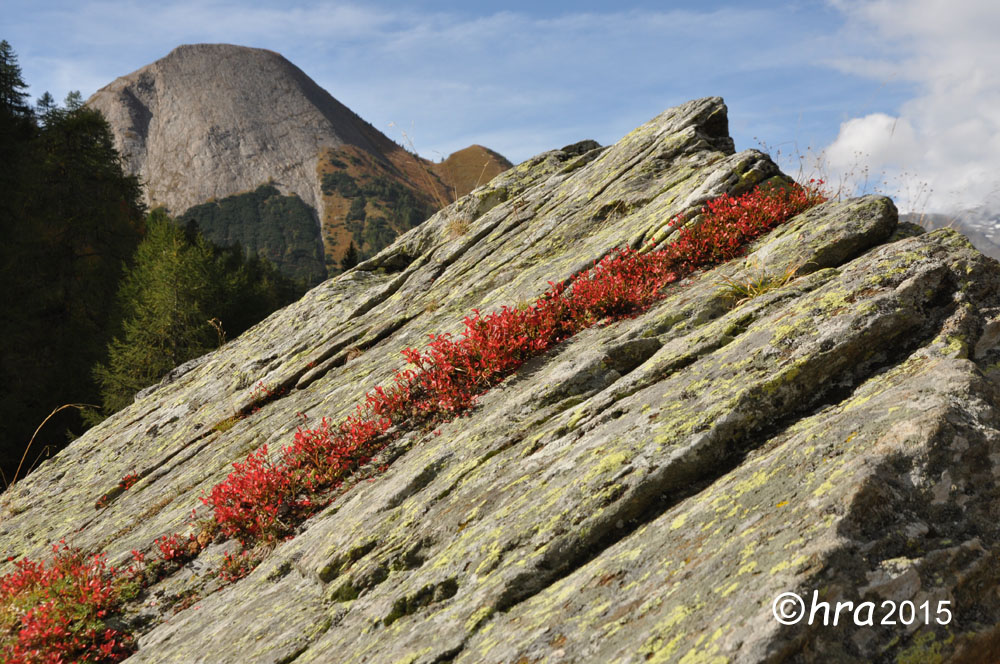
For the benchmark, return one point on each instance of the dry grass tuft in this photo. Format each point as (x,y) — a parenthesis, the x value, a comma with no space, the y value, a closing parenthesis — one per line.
(755,283)
(457,227)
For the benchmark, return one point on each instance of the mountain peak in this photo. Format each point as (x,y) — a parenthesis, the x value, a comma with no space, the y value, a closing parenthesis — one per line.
(210,120)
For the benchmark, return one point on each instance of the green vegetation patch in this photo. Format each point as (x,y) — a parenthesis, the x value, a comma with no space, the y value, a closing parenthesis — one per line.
(282,229)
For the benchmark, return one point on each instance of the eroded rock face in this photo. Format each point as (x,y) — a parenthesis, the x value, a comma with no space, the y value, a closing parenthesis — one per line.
(174,124)
(640,493)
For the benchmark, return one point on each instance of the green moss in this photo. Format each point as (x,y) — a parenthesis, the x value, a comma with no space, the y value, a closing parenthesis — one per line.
(344,593)
(225,425)
(925,649)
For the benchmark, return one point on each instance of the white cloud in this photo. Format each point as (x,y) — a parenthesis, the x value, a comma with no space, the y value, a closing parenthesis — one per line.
(948,134)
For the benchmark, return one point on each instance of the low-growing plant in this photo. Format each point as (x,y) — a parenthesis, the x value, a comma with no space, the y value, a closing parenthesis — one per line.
(457,227)
(755,283)
(185,599)
(261,392)
(225,425)
(173,547)
(123,485)
(61,612)
(263,499)
(236,566)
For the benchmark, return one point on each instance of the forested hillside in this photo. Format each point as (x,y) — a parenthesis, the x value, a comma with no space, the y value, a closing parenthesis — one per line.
(265,223)
(73,331)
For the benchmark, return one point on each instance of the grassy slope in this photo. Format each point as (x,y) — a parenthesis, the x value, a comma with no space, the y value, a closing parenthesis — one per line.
(434,185)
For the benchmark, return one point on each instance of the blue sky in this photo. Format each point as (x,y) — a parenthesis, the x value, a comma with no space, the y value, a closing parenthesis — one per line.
(895,91)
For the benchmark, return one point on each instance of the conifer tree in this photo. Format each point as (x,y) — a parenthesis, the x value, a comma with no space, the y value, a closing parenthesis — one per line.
(163,323)
(74,100)
(71,221)
(70,218)
(13,93)
(350,258)
(178,284)
(46,108)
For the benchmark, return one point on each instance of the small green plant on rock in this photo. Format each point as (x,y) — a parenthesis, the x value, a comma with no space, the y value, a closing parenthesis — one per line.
(757,281)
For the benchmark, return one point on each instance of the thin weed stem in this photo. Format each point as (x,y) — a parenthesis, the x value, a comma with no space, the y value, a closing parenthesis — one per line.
(78,406)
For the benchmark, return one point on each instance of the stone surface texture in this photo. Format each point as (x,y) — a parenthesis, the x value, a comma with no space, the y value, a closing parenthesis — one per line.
(642,492)
(211,120)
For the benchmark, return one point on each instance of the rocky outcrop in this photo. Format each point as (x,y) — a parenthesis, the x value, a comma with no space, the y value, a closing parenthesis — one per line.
(210,121)
(642,492)
(978,232)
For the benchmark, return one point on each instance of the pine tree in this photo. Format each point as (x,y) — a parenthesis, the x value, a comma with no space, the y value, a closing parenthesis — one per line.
(74,100)
(13,93)
(178,284)
(70,218)
(163,323)
(46,108)
(350,258)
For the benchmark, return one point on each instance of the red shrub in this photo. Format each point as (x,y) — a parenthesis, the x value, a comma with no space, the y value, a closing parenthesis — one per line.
(127,481)
(248,502)
(58,613)
(730,223)
(176,548)
(236,567)
(452,371)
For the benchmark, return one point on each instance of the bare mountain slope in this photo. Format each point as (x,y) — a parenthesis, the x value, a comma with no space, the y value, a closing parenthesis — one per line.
(209,121)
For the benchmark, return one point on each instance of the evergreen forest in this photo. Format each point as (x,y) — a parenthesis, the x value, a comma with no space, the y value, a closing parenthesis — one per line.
(100,298)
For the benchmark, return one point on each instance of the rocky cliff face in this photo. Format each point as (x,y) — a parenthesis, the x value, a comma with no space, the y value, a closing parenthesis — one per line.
(210,121)
(639,493)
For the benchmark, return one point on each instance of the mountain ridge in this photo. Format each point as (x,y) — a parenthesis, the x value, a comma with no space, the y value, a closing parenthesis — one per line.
(210,121)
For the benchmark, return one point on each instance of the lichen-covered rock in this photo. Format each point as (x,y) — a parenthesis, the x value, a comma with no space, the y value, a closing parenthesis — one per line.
(642,492)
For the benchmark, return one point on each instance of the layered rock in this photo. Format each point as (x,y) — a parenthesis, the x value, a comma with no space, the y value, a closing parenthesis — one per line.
(642,492)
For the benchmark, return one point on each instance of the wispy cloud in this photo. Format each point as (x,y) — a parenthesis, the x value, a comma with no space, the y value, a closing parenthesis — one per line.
(528,82)
(941,150)
(518,81)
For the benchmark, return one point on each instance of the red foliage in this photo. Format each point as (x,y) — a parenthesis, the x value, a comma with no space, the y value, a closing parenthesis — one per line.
(248,503)
(124,484)
(235,567)
(57,613)
(175,548)
(730,223)
(263,500)
(261,395)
